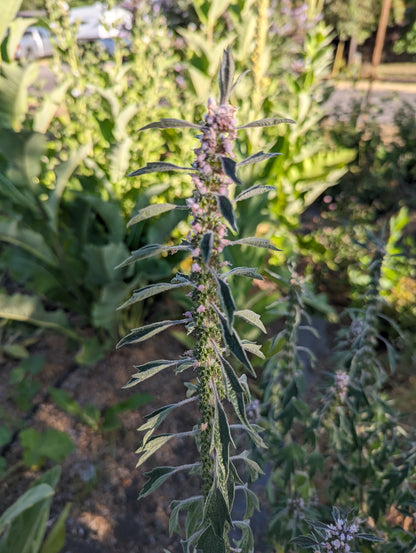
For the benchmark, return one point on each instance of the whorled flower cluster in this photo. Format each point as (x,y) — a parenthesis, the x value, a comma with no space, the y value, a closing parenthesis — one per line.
(340,386)
(339,537)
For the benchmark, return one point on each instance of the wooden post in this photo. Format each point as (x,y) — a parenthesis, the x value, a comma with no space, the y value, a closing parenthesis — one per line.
(381,35)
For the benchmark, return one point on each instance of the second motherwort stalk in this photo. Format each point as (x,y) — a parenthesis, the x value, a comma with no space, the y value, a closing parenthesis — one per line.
(211,322)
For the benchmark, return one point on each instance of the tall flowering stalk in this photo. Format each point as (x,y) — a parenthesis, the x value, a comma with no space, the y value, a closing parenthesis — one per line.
(211,322)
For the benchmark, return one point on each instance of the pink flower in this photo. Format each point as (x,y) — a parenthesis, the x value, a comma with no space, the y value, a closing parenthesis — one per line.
(195,252)
(201,288)
(196,268)
(200,309)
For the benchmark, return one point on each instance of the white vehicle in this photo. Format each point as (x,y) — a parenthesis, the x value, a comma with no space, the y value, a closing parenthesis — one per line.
(96,22)
(34,44)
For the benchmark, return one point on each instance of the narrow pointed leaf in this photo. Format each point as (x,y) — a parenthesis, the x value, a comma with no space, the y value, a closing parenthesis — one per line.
(191,505)
(147,331)
(147,370)
(227,211)
(226,76)
(304,541)
(152,445)
(243,271)
(156,478)
(259,156)
(235,392)
(227,300)
(150,250)
(253,469)
(151,211)
(233,343)
(216,511)
(181,278)
(184,364)
(253,348)
(252,318)
(228,166)
(155,419)
(149,291)
(255,242)
(268,122)
(246,542)
(254,191)
(205,245)
(168,123)
(158,167)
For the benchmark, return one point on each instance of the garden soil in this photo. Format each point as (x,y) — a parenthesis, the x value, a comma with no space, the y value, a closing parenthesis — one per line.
(99,478)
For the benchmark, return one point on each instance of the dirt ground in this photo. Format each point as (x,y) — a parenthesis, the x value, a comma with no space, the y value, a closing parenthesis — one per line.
(99,477)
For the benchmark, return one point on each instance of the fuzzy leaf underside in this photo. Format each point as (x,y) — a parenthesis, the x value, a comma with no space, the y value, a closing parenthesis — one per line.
(147,370)
(253,348)
(254,191)
(226,299)
(267,122)
(151,211)
(205,246)
(259,156)
(150,251)
(233,343)
(158,167)
(152,445)
(252,318)
(255,242)
(149,291)
(168,123)
(226,76)
(248,272)
(229,166)
(253,469)
(147,331)
(235,392)
(227,211)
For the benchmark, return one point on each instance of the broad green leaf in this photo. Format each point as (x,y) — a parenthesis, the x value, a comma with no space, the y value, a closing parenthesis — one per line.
(227,301)
(167,123)
(17,28)
(229,166)
(226,74)
(29,309)
(252,318)
(50,104)
(216,511)
(209,542)
(151,211)
(147,370)
(147,331)
(156,478)
(158,167)
(267,122)
(243,271)
(255,242)
(233,343)
(259,156)
(14,84)
(8,13)
(254,191)
(227,211)
(55,540)
(205,245)
(110,418)
(52,444)
(32,242)
(150,250)
(149,291)
(23,151)
(26,501)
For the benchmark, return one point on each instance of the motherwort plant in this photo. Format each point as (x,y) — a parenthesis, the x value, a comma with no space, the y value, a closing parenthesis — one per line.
(219,391)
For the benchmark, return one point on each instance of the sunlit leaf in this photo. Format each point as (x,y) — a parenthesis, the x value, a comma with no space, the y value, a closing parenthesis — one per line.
(151,211)
(149,291)
(150,250)
(147,331)
(259,156)
(147,370)
(158,167)
(168,123)
(254,191)
(252,318)
(226,76)
(255,242)
(267,122)
(243,271)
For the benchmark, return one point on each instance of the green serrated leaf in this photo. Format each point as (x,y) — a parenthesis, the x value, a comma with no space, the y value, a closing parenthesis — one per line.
(227,211)
(267,122)
(216,511)
(233,343)
(254,191)
(168,123)
(252,318)
(158,167)
(259,156)
(151,211)
(150,250)
(156,478)
(243,271)
(255,242)
(205,246)
(147,370)
(149,291)
(147,331)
